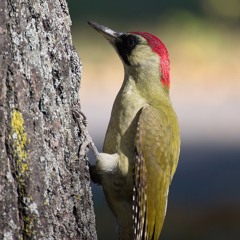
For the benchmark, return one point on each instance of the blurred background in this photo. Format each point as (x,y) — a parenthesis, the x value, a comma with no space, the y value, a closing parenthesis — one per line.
(203,39)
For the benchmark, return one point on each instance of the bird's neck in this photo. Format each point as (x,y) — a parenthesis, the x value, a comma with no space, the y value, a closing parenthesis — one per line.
(145,82)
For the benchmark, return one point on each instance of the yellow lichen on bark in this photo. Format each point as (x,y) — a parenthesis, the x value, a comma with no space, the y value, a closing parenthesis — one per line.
(19,143)
(19,140)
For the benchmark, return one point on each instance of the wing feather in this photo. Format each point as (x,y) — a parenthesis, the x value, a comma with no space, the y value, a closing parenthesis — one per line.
(156,156)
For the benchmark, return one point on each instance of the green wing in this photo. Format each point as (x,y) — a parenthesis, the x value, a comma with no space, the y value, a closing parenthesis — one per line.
(157,151)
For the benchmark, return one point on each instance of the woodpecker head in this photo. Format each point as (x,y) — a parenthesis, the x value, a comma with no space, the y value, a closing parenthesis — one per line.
(139,50)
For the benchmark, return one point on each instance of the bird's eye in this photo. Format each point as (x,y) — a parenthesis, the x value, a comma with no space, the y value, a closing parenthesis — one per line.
(131,42)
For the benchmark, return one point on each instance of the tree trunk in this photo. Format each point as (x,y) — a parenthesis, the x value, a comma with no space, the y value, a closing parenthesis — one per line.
(45,187)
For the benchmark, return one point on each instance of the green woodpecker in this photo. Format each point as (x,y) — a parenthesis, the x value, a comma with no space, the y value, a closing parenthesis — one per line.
(142,143)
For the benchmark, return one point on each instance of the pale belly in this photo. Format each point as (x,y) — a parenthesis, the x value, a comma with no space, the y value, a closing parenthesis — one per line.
(120,139)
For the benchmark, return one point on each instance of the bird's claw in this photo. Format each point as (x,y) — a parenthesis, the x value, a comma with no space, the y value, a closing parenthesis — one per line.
(81,119)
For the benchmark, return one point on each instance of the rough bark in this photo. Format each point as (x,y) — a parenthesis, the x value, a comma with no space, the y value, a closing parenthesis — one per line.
(45,187)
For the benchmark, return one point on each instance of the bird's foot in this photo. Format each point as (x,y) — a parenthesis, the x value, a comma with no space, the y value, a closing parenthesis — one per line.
(81,119)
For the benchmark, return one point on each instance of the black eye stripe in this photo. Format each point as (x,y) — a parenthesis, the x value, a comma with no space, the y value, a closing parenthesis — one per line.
(125,46)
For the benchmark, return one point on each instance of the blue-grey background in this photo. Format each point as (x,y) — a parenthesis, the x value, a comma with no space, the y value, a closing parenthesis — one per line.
(203,41)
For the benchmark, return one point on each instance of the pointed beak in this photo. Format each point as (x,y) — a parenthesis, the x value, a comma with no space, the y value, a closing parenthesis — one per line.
(106,32)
